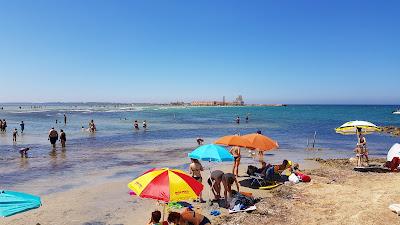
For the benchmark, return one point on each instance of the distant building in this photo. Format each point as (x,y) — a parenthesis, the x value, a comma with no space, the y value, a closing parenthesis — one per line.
(238,102)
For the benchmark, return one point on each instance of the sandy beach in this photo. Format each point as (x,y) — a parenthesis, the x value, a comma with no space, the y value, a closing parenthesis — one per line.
(336,195)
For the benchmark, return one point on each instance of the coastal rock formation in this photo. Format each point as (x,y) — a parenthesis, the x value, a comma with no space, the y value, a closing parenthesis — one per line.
(392,130)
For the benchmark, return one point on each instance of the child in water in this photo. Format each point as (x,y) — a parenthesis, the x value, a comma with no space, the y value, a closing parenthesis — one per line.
(15,134)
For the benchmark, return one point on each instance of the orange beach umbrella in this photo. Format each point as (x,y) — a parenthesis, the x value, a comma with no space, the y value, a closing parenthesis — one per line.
(261,142)
(234,140)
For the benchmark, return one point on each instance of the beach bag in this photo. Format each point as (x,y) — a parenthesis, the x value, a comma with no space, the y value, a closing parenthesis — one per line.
(251,170)
(303,177)
(293,178)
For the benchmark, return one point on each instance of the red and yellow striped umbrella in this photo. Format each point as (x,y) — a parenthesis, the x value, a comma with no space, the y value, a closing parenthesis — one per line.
(168,185)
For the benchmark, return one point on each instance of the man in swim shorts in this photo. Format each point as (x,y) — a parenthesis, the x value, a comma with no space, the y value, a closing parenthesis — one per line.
(53,137)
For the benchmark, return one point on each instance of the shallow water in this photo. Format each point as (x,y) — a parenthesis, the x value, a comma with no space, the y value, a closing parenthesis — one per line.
(171,134)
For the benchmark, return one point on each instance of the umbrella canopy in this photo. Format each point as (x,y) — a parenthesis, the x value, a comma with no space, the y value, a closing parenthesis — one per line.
(12,202)
(393,152)
(261,142)
(351,127)
(168,185)
(212,153)
(233,140)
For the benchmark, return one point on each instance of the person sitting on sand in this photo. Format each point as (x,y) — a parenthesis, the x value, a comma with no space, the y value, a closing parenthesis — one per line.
(188,217)
(235,151)
(24,152)
(227,180)
(215,183)
(273,173)
(195,169)
(155,218)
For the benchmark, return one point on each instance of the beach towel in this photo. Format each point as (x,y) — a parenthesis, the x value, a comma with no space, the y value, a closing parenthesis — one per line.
(395,208)
(251,208)
(241,202)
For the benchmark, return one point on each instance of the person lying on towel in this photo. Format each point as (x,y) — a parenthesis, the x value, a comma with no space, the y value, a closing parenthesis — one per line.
(273,173)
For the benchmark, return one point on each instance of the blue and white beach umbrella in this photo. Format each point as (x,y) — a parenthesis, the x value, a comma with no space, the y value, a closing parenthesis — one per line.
(12,202)
(211,153)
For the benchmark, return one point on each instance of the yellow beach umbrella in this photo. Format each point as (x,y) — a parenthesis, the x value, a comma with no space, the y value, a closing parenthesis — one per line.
(350,128)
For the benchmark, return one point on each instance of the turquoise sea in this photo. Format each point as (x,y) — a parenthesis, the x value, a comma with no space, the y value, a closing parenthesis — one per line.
(171,133)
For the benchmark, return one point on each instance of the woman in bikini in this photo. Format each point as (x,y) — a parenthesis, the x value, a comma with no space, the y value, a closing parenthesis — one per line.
(235,151)
(361,147)
(195,169)
(188,217)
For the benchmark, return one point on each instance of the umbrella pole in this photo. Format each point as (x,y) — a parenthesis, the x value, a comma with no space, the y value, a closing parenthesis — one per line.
(163,212)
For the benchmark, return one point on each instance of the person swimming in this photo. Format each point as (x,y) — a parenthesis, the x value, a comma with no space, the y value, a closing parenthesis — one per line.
(199,141)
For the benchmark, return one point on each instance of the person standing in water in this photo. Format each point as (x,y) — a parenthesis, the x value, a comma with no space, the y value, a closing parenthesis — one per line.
(136,125)
(247,118)
(22,125)
(237,119)
(144,124)
(53,137)
(65,119)
(235,151)
(63,138)
(15,134)
(4,125)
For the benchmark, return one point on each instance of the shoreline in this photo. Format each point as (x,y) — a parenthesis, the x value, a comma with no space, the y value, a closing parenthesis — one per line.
(106,201)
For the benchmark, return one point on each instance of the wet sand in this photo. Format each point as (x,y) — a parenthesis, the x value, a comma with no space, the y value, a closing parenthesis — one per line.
(336,195)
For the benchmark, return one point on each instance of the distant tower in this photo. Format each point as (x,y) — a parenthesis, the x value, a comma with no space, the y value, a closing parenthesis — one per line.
(239,100)
(223,100)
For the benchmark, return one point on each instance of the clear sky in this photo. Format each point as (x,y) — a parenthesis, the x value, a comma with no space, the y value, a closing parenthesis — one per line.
(160,51)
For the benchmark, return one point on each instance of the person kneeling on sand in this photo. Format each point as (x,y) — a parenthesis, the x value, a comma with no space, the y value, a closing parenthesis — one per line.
(188,217)
(155,218)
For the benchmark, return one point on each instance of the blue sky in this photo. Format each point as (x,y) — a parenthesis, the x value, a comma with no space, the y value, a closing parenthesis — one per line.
(160,51)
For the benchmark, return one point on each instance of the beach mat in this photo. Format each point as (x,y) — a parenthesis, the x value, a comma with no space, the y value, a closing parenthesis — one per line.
(251,208)
(372,168)
(269,187)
